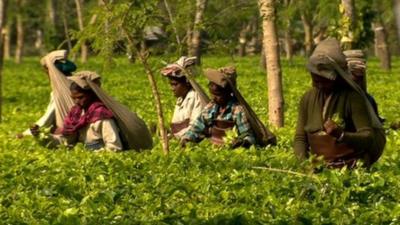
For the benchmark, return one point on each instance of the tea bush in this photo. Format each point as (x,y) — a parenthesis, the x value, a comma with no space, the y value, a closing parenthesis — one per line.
(200,185)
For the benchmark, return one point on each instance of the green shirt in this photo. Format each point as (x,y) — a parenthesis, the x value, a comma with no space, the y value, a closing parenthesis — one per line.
(346,106)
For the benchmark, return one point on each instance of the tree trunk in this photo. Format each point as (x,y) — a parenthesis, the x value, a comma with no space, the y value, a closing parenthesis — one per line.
(396,9)
(3,10)
(7,42)
(66,32)
(39,42)
(243,40)
(271,48)
(172,21)
(51,14)
(288,35)
(189,34)
(84,47)
(381,46)
(263,59)
(252,45)
(348,24)
(195,48)
(288,44)
(20,34)
(308,34)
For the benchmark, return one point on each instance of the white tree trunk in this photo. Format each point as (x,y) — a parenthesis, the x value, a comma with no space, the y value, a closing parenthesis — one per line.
(51,13)
(396,9)
(84,47)
(194,49)
(381,46)
(20,34)
(348,27)
(3,10)
(7,42)
(274,75)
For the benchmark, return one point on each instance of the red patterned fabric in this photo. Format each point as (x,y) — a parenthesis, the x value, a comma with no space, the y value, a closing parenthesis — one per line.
(75,120)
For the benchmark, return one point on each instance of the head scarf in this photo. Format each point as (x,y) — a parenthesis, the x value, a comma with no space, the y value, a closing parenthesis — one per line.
(175,69)
(222,76)
(326,52)
(329,62)
(83,78)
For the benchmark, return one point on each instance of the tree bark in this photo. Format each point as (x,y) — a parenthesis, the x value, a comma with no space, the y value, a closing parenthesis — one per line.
(7,42)
(189,34)
(51,14)
(274,75)
(308,34)
(20,33)
(195,47)
(396,9)
(348,24)
(3,10)
(243,40)
(288,44)
(66,32)
(288,35)
(252,45)
(39,42)
(84,47)
(381,46)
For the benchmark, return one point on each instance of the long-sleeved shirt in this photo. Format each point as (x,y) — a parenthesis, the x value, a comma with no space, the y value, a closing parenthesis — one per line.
(187,108)
(211,112)
(100,134)
(347,105)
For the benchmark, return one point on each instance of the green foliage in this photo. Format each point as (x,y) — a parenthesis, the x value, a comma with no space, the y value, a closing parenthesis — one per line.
(200,185)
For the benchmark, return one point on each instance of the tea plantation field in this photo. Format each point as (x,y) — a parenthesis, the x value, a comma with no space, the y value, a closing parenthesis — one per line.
(201,185)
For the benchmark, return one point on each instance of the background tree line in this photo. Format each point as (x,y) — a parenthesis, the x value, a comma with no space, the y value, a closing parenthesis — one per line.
(233,27)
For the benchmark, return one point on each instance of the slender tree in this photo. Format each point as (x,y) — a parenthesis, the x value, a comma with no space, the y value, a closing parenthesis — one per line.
(20,32)
(396,11)
(84,47)
(274,74)
(195,44)
(7,41)
(381,46)
(347,9)
(3,10)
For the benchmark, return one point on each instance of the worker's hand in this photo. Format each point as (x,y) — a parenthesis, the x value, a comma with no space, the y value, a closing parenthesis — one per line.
(333,129)
(35,130)
(19,136)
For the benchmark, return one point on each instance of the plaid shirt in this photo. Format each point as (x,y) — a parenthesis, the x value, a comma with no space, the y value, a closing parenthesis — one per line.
(211,112)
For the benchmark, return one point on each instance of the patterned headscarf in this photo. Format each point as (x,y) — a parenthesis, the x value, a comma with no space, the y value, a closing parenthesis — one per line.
(175,69)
